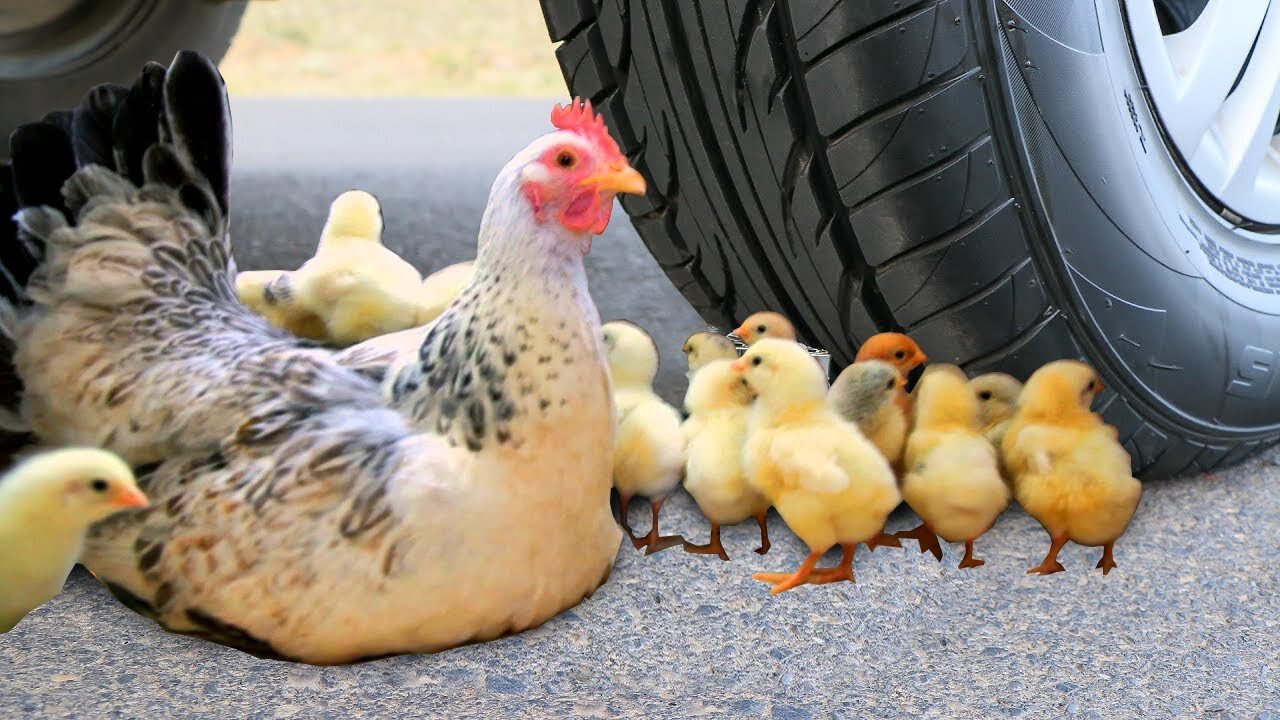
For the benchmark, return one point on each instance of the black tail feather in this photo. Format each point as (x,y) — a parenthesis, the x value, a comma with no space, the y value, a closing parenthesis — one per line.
(43,159)
(91,134)
(199,117)
(137,124)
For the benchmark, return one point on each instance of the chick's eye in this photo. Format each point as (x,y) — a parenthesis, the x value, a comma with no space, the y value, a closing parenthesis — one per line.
(984,395)
(889,385)
(99,485)
(757,360)
(1091,386)
(566,159)
(761,328)
(901,354)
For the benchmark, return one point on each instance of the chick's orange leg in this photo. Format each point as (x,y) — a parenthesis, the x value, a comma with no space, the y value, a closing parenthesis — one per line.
(653,542)
(763,521)
(712,548)
(969,560)
(927,538)
(1050,564)
(843,571)
(1107,562)
(783,582)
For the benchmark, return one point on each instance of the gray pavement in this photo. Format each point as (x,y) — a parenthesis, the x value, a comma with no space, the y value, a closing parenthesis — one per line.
(1187,626)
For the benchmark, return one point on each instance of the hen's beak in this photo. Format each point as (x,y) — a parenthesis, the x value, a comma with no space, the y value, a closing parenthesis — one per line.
(130,498)
(619,178)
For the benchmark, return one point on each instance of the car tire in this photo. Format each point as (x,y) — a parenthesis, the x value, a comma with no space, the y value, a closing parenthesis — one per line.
(52,65)
(986,175)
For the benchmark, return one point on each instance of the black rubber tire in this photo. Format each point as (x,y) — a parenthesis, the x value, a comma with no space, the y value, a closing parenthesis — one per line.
(984,174)
(157,32)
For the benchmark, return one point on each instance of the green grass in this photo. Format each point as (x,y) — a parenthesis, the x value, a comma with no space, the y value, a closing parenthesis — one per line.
(393,47)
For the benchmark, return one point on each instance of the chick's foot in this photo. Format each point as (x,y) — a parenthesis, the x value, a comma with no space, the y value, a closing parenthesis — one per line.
(783,582)
(1050,564)
(969,560)
(843,571)
(762,521)
(655,542)
(1107,562)
(926,537)
(712,548)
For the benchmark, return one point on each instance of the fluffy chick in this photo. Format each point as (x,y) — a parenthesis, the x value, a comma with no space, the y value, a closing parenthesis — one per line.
(894,348)
(1069,471)
(47,504)
(718,402)
(270,294)
(997,395)
(827,481)
(765,324)
(441,287)
(703,348)
(951,477)
(871,395)
(357,286)
(649,454)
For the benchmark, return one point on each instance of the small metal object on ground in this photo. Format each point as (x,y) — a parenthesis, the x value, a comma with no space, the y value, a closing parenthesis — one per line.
(822,356)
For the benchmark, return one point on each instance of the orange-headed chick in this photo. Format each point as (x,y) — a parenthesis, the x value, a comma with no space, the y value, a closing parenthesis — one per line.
(703,348)
(827,481)
(718,402)
(763,325)
(871,395)
(894,348)
(1069,471)
(950,472)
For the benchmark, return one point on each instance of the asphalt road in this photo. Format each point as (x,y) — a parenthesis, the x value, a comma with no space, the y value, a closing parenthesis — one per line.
(1187,626)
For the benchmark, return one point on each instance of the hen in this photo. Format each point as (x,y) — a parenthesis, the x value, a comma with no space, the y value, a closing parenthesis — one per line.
(300,509)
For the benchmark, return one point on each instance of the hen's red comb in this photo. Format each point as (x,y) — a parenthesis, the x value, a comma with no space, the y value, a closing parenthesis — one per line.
(579,118)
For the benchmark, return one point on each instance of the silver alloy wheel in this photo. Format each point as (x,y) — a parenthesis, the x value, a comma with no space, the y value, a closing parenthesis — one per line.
(46,38)
(1216,89)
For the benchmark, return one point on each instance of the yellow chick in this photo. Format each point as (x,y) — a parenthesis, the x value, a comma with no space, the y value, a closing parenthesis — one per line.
(997,399)
(357,286)
(1069,471)
(718,402)
(47,504)
(702,348)
(950,474)
(827,481)
(270,294)
(649,453)
(763,325)
(441,287)
(871,394)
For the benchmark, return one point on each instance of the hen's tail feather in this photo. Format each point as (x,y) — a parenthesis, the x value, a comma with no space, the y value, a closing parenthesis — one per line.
(199,120)
(92,123)
(137,123)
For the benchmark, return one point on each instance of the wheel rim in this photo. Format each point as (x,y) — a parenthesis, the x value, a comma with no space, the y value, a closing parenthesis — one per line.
(1215,87)
(43,39)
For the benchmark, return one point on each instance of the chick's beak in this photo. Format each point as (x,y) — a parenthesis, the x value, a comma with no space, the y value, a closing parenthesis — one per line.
(743,332)
(619,178)
(130,498)
(739,365)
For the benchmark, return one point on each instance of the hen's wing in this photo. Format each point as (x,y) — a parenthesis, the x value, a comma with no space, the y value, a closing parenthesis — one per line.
(128,333)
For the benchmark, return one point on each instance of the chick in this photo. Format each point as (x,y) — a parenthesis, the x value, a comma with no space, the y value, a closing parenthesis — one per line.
(702,348)
(357,286)
(717,403)
(1069,471)
(997,399)
(649,454)
(47,504)
(951,478)
(441,287)
(270,294)
(827,481)
(870,394)
(765,325)
(894,348)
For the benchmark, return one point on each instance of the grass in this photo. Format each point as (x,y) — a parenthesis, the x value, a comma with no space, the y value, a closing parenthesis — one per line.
(393,47)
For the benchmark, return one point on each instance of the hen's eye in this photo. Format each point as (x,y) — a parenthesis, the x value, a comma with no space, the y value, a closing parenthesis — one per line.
(761,328)
(99,485)
(757,360)
(984,395)
(566,159)
(901,354)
